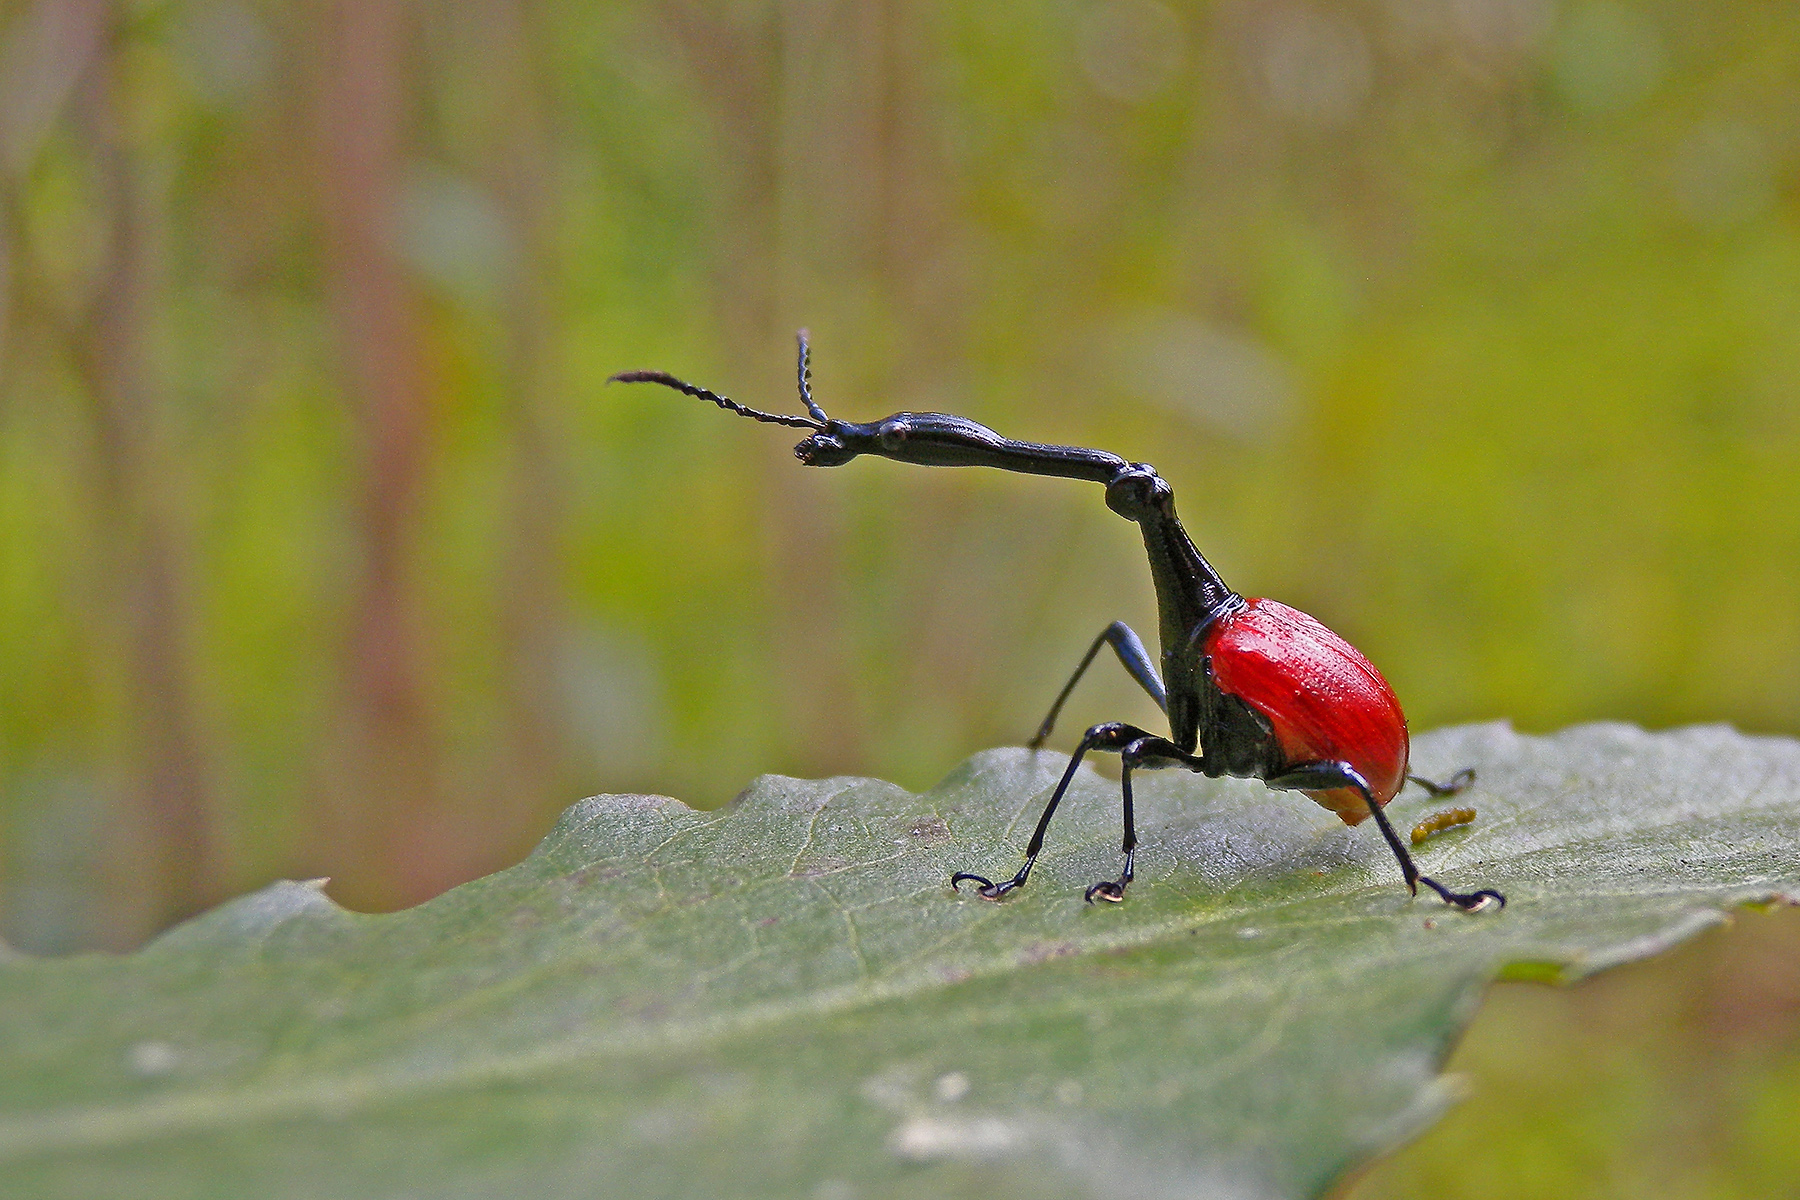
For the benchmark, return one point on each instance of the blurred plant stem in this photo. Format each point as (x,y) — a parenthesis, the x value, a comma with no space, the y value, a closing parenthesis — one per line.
(516,157)
(388,786)
(178,869)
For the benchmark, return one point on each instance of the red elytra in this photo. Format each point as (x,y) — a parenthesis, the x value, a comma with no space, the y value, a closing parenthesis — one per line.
(1325,701)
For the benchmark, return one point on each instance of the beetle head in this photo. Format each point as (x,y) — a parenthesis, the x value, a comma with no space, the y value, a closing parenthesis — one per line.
(825,449)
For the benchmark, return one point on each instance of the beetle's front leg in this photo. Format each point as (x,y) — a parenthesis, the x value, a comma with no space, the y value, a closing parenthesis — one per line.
(1147,753)
(1114,735)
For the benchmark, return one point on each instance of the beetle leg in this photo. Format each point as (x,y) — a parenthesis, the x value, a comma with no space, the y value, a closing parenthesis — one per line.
(1114,890)
(1323,776)
(1132,656)
(1114,735)
(1456,783)
(1147,753)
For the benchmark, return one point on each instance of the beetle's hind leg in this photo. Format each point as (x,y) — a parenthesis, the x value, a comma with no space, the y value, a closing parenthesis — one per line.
(1323,776)
(1456,783)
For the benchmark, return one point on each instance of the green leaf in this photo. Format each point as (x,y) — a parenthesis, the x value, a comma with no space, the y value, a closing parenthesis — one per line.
(784,998)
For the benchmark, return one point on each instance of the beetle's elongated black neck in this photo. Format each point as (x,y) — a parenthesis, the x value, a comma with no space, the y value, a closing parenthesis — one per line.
(1189,592)
(942,440)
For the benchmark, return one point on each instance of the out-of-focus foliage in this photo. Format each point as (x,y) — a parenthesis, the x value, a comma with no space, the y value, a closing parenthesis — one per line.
(1671,1078)
(1468,325)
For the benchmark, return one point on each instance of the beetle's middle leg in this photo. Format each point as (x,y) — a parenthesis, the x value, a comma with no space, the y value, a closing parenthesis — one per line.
(1132,656)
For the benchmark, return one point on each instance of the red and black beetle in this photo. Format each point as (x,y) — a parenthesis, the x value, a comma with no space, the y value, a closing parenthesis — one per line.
(1251,688)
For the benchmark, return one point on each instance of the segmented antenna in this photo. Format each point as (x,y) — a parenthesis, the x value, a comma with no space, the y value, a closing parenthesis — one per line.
(806,380)
(725,402)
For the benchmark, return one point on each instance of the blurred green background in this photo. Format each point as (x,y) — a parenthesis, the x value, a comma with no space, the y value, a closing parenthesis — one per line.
(1470,326)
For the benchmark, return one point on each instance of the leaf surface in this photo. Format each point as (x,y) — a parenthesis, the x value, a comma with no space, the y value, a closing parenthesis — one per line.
(783,998)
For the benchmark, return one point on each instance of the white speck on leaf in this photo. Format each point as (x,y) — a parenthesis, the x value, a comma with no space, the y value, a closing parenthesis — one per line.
(152,1058)
(925,1138)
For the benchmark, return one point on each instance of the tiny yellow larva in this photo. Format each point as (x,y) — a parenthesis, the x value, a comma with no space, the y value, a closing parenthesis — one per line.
(1437,822)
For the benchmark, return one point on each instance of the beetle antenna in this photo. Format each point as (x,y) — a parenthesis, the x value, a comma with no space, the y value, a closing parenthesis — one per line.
(806,380)
(726,402)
